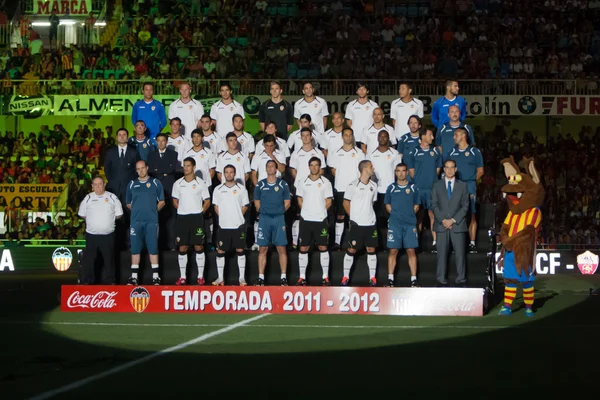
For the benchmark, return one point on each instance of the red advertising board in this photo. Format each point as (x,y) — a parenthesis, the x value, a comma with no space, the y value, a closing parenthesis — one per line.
(273,299)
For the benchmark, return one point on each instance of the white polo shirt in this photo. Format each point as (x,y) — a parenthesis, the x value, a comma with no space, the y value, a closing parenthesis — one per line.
(401,112)
(361,198)
(259,163)
(223,113)
(281,146)
(238,160)
(346,166)
(361,115)
(205,161)
(245,144)
(189,113)
(317,109)
(294,141)
(212,142)
(191,195)
(100,212)
(385,165)
(299,161)
(370,135)
(332,140)
(314,195)
(230,201)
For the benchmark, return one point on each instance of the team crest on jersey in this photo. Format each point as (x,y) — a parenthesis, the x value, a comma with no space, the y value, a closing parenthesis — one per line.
(179,142)
(388,157)
(353,155)
(177,239)
(467,154)
(238,159)
(315,106)
(371,189)
(431,153)
(144,145)
(193,186)
(139,299)
(132,232)
(148,185)
(281,108)
(276,188)
(153,108)
(189,107)
(235,192)
(407,191)
(319,185)
(230,108)
(354,243)
(367,108)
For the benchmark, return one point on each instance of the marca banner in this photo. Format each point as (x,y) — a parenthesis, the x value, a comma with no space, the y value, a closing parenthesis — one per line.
(62,7)
(553,262)
(476,105)
(273,299)
(30,197)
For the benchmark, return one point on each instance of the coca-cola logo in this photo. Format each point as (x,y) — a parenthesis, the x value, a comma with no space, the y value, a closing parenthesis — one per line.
(102,299)
(449,306)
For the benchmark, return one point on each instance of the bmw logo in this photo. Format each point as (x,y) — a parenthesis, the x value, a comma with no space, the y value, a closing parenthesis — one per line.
(527,105)
(251,105)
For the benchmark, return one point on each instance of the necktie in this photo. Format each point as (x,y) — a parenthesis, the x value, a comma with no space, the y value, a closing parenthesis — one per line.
(122,153)
(449,189)
(161,155)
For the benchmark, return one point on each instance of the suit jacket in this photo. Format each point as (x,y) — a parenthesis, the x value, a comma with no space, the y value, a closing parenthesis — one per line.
(120,173)
(457,207)
(164,168)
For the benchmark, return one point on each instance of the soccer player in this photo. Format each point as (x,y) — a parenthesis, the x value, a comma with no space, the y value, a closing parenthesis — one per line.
(332,140)
(231,202)
(223,111)
(245,140)
(315,196)
(278,111)
(358,203)
(178,143)
(188,110)
(403,108)
(272,199)
(424,165)
(359,113)
(344,167)
(409,142)
(210,141)
(402,204)
(191,199)
(233,157)
(149,110)
(294,141)
(369,137)
(469,164)
(271,129)
(145,198)
(439,111)
(142,144)
(313,105)
(445,134)
(299,168)
(384,159)
(204,160)
(270,153)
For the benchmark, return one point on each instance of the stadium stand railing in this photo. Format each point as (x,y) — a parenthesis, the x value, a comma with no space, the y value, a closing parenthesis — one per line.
(328,87)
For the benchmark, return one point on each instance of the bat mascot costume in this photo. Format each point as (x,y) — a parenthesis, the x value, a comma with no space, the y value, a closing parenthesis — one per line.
(524,194)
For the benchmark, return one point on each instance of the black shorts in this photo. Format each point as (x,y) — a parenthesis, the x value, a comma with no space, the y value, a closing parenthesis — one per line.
(380,210)
(316,232)
(189,230)
(231,239)
(361,236)
(339,203)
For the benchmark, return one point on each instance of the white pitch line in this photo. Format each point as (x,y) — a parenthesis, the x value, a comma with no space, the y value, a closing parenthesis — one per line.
(90,379)
(466,327)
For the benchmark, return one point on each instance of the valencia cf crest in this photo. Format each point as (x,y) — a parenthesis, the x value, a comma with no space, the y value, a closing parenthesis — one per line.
(139,299)
(148,185)
(144,145)
(367,108)
(353,155)
(319,185)
(179,142)
(230,108)
(106,200)
(276,188)
(234,192)
(431,153)
(238,159)
(193,186)
(281,108)
(201,155)
(407,191)
(467,154)
(153,108)
(388,157)
(189,107)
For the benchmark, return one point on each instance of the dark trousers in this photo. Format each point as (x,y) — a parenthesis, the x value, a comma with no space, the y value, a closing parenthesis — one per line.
(105,245)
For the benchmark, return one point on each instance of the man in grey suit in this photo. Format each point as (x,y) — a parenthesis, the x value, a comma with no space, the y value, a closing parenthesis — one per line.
(450,203)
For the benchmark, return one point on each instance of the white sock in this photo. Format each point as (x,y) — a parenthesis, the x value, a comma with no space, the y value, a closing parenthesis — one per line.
(242,266)
(182,259)
(339,231)
(154,271)
(372,263)
(303,263)
(283,276)
(433,243)
(348,261)
(325,263)
(134,270)
(472,243)
(261,276)
(413,278)
(220,266)
(391,277)
(200,263)
(255,231)
(295,232)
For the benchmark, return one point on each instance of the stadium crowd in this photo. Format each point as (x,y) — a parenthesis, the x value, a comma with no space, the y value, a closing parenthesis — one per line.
(481,39)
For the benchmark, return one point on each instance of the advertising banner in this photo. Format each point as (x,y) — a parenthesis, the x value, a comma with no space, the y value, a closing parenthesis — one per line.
(30,197)
(552,262)
(62,7)
(476,105)
(47,259)
(273,299)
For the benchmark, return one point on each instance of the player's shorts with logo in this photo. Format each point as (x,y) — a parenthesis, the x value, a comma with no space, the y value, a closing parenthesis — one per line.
(272,230)
(189,230)
(231,239)
(141,233)
(472,189)
(316,232)
(424,197)
(362,236)
(402,237)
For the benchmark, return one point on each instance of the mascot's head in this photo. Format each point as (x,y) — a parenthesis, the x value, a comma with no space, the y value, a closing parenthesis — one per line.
(523,190)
